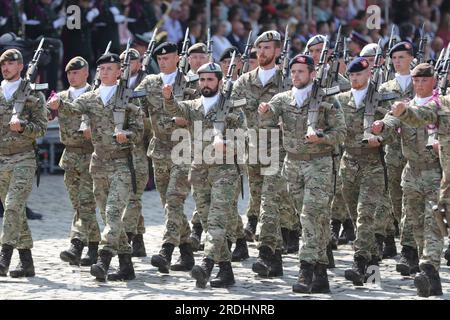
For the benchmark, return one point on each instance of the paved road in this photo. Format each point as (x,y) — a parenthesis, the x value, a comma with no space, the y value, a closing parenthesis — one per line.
(57,280)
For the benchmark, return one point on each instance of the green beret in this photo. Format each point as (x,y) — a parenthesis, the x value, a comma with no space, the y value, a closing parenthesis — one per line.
(11,55)
(267,36)
(134,54)
(423,70)
(76,63)
(198,48)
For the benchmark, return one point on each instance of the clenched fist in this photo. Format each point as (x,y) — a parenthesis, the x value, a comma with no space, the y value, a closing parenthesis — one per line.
(398,108)
(167,91)
(263,107)
(377,127)
(54,102)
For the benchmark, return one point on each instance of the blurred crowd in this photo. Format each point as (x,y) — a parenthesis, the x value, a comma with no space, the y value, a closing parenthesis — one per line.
(231,21)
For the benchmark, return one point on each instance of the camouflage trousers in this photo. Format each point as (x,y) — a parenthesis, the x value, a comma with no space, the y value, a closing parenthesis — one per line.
(362,188)
(255,182)
(214,189)
(420,187)
(338,207)
(310,186)
(173,186)
(396,195)
(132,217)
(15,188)
(236,227)
(112,190)
(79,185)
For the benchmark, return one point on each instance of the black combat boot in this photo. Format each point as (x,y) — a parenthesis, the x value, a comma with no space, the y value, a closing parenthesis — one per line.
(130,237)
(447,255)
(379,240)
(320,282)
(357,273)
(73,254)
(348,232)
(428,282)
(25,268)
(162,260)
(240,252)
(126,270)
(196,236)
(263,263)
(390,250)
(100,269)
(91,256)
(138,246)
(335,228)
(409,261)
(330,257)
(285,237)
(225,276)
(250,228)
(293,244)
(305,278)
(186,260)
(276,267)
(202,272)
(5,259)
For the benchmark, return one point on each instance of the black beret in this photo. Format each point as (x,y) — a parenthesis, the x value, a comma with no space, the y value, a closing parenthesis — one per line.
(165,48)
(423,70)
(76,63)
(303,59)
(108,58)
(402,46)
(228,53)
(358,64)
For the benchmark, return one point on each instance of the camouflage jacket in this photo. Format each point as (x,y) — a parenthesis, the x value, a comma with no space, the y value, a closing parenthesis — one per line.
(159,122)
(199,122)
(102,125)
(354,118)
(295,119)
(69,125)
(432,113)
(393,150)
(18,147)
(413,140)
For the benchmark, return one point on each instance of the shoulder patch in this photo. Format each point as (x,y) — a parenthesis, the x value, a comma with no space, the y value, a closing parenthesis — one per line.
(240,102)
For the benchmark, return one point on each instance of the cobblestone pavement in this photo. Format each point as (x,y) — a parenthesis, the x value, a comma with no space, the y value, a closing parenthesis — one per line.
(57,280)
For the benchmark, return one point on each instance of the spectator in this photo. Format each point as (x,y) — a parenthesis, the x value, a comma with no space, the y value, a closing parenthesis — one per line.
(220,40)
(236,37)
(444,29)
(172,25)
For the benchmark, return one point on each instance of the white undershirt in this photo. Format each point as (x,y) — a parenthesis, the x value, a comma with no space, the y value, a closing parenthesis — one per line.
(209,102)
(132,80)
(9,87)
(359,95)
(301,94)
(421,101)
(75,93)
(403,80)
(106,92)
(266,75)
(169,78)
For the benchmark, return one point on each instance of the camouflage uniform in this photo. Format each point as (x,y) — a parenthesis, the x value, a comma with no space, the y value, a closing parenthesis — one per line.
(432,113)
(362,176)
(171,179)
(307,170)
(18,166)
(420,183)
(215,185)
(109,165)
(75,161)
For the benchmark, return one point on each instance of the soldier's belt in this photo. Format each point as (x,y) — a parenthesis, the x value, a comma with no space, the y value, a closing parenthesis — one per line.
(80,150)
(15,150)
(422,166)
(361,151)
(307,156)
(111,155)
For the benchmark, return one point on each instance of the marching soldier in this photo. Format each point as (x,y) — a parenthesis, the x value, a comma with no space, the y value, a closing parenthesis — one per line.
(214,184)
(308,167)
(133,219)
(110,165)
(18,163)
(420,182)
(75,161)
(171,179)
